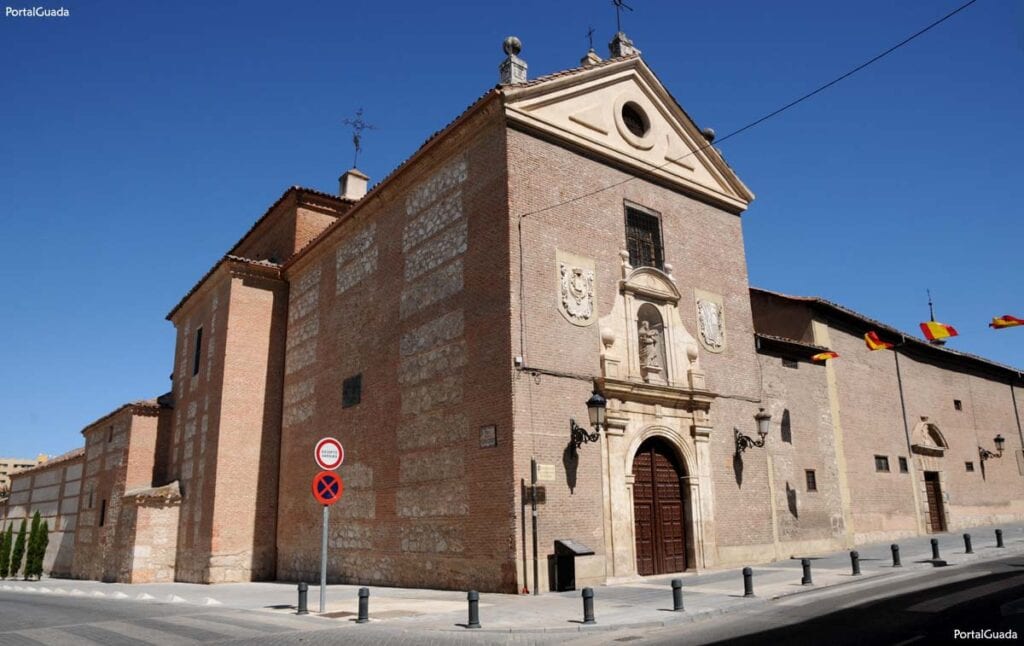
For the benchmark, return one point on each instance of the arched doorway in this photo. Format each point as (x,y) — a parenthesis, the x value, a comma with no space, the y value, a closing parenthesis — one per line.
(658,509)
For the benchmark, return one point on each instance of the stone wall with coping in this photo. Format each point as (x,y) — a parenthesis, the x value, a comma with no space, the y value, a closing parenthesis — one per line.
(52,489)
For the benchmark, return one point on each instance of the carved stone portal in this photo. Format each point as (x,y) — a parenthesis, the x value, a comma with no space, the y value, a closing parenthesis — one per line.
(655,387)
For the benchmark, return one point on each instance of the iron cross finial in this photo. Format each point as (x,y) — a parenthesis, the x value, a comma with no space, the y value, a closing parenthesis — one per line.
(590,37)
(358,125)
(619,6)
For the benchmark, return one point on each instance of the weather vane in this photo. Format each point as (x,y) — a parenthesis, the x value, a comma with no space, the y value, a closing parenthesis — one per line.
(358,125)
(590,37)
(619,6)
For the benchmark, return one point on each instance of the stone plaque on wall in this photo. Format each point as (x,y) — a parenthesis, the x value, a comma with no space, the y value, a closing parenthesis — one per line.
(710,320)
(576,288)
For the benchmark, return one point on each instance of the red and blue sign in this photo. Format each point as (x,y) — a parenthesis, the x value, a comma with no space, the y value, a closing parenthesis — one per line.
(327,487)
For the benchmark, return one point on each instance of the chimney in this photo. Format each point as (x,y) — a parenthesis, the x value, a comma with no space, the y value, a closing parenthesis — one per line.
(352,184)
(512,69)
(621,45)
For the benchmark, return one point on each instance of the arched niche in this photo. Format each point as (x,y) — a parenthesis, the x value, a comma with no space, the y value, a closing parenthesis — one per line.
(927,439)
(651,340)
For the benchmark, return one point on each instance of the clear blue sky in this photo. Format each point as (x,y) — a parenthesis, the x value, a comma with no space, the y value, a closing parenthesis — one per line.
(139,140)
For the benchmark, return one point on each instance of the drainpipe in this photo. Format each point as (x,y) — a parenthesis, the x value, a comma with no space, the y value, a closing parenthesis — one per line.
(906,433)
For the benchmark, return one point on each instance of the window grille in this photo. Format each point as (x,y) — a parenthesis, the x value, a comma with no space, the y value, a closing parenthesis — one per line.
(643,239)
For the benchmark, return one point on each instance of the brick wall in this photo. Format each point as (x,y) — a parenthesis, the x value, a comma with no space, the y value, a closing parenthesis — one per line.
(705,247)
(801,439)
(410,293)
(197,415)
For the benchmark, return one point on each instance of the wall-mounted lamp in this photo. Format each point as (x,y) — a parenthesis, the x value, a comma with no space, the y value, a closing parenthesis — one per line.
(988,455)
(744,442)
(597,410)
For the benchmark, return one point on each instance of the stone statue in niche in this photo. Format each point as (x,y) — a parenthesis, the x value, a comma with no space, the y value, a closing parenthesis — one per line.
(649,346)
(650,351)
(709,324)
(577,293)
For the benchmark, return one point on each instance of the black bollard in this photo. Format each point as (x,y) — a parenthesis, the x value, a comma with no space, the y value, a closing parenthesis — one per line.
(896,556)
(303,599)
(748,582)
(999,538)
(967,544)
(806,580)
(364,606)
(677,594)
(935,549)
(855,562)
(588,606)
(474,609)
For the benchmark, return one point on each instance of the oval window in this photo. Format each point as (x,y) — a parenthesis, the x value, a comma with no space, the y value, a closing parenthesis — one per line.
(635,119)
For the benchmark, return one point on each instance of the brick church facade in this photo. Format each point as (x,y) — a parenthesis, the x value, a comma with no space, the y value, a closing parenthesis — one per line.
(449,326)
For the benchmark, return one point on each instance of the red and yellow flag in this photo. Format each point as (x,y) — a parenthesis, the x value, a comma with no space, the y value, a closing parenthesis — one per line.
(1005,320)
(824,356)
(874,343)
(933,330)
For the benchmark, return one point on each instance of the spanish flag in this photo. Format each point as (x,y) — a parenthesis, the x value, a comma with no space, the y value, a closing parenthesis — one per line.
(824,356)
(874,343)
(933,330)
(1005,320)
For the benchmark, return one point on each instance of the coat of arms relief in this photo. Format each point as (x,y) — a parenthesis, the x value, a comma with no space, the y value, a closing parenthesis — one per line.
(710,326)
(576,298)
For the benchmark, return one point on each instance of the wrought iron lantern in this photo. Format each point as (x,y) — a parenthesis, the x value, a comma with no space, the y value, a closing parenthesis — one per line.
(985,454)
(744,442)
(597,410)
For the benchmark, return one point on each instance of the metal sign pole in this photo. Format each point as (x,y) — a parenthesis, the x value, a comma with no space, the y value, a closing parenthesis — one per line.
(533,512)
(323,562)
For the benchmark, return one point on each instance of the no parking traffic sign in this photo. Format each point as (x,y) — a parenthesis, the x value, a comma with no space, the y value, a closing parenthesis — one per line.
(329,454)
(327,487)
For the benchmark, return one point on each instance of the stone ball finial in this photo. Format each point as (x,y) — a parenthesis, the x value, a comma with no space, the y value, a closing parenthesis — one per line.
(709,134)
(607,336)
(512,46)
(691,351)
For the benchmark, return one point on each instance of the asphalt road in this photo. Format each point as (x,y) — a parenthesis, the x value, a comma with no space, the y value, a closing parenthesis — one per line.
(922,609)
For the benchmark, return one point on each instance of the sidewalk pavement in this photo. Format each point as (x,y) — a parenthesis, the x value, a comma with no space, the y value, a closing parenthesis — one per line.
(642,604)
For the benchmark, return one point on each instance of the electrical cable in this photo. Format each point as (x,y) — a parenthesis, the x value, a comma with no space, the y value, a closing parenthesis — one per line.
(764,118)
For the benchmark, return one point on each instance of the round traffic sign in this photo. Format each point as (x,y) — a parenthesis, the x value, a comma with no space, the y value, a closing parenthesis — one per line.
(329,454)
(327,487)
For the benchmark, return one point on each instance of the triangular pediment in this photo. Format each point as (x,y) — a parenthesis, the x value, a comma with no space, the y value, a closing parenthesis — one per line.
(619,110)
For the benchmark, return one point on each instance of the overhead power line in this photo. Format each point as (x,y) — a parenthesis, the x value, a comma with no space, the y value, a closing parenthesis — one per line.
(764,118)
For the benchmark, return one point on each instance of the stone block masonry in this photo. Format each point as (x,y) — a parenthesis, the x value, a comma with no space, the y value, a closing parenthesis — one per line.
(433,484)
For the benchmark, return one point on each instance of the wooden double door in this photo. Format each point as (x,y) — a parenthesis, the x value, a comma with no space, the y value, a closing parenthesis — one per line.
(936,513)
(658,509)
